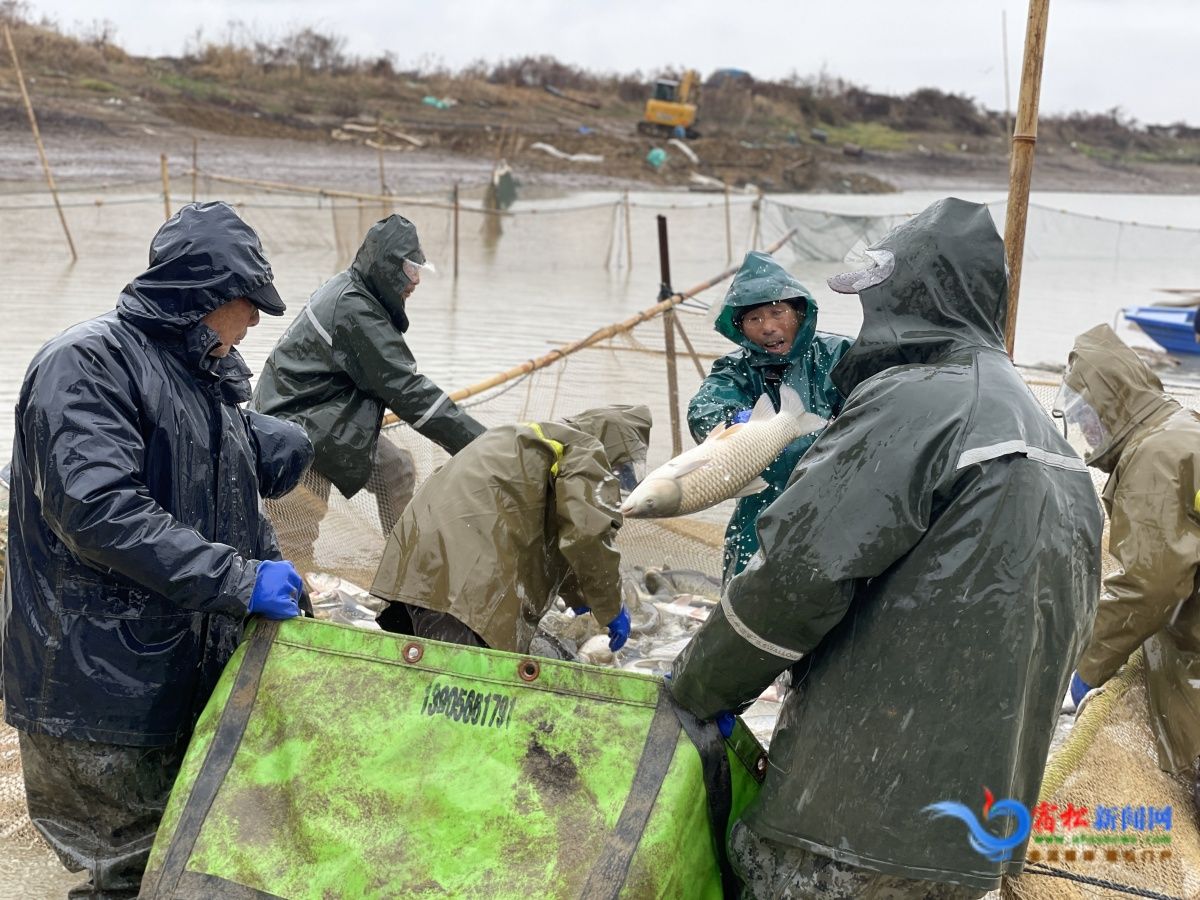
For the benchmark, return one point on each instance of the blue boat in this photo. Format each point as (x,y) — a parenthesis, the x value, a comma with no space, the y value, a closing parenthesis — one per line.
(1171,327)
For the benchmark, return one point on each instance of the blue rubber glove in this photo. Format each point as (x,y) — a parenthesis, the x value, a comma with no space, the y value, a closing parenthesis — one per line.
(725,721)
(276,590)
(581,610)
(742,415)
(1079,687)
(618,630)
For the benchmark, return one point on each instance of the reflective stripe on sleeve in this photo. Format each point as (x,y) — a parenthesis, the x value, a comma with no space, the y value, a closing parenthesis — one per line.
(1008,448)
(437,404)
(312,317)
(750,637)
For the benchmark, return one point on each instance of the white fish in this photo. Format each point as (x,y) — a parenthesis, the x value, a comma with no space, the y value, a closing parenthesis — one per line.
(728,464)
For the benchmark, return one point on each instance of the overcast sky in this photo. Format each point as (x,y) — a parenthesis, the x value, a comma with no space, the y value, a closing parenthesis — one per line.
(1139,55)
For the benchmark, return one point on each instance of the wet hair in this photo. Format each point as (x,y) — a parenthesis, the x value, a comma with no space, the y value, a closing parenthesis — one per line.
(796,303)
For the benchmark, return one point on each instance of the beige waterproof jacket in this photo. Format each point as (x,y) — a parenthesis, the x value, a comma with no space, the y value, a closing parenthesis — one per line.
(1153,501)
(522,513)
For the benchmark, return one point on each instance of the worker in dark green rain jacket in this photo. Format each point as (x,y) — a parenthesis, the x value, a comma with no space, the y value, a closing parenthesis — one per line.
(773,317)
(928,576)
(337,367)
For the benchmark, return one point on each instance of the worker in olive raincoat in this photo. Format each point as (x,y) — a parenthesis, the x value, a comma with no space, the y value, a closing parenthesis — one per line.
(137,542)
(340,364)
(523,514)
(1150,447)
(929,576)
(773,317)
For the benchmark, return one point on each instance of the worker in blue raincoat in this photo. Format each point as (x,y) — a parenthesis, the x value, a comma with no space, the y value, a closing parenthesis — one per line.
(773,317)
(137,541)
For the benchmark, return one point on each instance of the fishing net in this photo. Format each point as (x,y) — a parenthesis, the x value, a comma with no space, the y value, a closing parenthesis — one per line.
(588,261)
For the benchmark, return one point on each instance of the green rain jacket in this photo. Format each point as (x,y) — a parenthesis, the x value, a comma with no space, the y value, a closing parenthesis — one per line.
(523,513)
(344,359)
(929,575)
(1153,501)
(738,379)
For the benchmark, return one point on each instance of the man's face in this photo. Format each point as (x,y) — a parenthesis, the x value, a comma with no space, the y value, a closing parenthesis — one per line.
(772,327)
(412,272)
(231,321)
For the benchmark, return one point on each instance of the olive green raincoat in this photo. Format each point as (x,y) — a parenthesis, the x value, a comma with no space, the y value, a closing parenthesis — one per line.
(524,513)
(738,379)
(1153,501)
(344,359)
(929,576)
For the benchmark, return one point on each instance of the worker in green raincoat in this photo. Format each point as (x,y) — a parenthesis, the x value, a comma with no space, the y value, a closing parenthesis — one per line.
(340,364)
(523,514)
(929,576)
(1150,447)
(773,317)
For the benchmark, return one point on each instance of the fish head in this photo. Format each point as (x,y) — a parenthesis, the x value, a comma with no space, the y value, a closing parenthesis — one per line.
(654,498)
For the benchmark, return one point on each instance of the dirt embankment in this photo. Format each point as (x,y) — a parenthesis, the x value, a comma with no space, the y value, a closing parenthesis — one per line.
(284,112)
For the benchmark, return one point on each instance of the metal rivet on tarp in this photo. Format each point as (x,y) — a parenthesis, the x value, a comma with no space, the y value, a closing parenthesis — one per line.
(413,652)
(760,764)
(529,669)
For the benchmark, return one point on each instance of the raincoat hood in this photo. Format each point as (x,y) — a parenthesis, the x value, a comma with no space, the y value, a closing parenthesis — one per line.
(201,258)
(762,280)
(948,291)
(624,431)
(380,263)
(1119,386)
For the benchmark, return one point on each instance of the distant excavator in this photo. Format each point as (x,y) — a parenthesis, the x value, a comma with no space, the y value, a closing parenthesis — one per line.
(669,108)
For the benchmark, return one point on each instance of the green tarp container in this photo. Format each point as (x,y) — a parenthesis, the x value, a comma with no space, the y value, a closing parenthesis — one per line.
(336,762)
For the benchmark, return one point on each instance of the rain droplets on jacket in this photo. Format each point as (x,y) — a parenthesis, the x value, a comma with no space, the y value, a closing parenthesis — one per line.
(135,526)
(738,379)
(929,575)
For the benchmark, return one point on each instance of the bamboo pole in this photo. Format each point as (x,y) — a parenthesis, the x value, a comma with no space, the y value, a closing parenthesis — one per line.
(1024,140)
(195,167)
(1007,96)
(166,183)
(286,188)
(687,342)
(382,178)
(665,292)
(628,235)
(728,231)
(456,230)
(600,334)
(37,137)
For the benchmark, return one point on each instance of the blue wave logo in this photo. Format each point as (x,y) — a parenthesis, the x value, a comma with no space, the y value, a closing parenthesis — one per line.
(983,842)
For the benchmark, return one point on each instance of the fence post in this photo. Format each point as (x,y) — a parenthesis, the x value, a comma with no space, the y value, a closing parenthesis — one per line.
(194,165)
(728,231)
(166,182)
(37,137)
(664,293)
(628,234)
(456,229)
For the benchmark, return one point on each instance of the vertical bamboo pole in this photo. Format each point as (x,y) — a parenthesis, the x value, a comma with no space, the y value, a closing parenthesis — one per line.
(383,180)
(728,231)
(628,234)
(758,204)
(664,265)
(37,137)
(456,229)
(1023,141)
(166,182)
(1007,97)
(195,155)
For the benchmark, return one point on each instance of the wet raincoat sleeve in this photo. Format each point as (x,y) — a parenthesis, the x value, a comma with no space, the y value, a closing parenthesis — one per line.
(374,354)
(1155,544)
(283,452)
(86,452)
(858,501)
(721,394)
(586,499)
